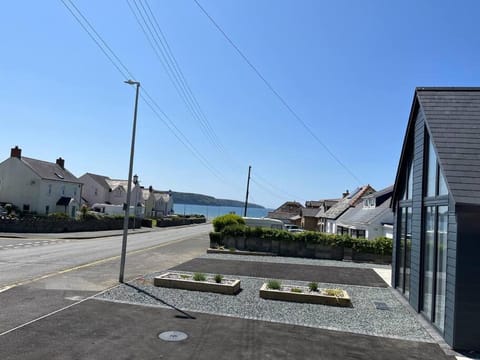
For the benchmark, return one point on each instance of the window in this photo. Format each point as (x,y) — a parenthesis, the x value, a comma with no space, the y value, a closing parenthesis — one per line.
(47,210)
(63,190)
(434,242)
(49,189)
(26,207)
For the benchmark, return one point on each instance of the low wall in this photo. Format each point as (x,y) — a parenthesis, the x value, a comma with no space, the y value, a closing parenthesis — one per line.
(296,249)
(179,221)
(50,225)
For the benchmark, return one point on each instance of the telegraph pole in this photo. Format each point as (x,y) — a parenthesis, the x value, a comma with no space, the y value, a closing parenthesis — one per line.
(248,186)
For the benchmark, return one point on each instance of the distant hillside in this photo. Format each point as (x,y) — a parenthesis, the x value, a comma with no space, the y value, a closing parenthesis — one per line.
(199,199)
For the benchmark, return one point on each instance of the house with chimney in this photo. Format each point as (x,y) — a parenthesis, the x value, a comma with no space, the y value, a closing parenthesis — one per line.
(100,189)
(158,203)
(327,221)
(37,186)
(313,211)
(289,212)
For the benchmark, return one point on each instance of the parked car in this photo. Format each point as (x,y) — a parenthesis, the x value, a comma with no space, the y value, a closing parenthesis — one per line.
(293,228)
(3,211)
(296,230)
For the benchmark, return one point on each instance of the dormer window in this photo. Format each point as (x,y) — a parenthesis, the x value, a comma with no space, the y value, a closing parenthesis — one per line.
(60,176)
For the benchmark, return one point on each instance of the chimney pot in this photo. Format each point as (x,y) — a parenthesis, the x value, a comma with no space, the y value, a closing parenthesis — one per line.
(346,193)
(16,152)
(61,162)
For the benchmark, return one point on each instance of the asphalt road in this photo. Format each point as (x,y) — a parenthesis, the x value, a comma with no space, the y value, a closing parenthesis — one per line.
(51,274)
(23,259)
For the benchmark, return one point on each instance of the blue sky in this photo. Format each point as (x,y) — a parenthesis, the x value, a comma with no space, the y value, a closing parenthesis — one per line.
(347,68)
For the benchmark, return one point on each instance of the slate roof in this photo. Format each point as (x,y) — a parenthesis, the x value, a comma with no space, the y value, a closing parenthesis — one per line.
(310,212)
(49,171)
(452,117)
(359,217)
(351,200)
(100,179)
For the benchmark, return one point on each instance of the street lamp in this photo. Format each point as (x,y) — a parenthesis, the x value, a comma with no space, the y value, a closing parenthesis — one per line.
(129,183)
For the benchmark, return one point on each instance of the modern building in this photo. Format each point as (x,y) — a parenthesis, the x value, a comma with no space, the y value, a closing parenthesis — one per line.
(436,201)
(37,186)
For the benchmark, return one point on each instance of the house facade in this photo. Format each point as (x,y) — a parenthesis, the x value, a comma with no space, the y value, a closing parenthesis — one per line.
(367,219)
(158,203)
(100,189)
(37,186)
(289,212)
(436,202)
(313,211)
(327,221)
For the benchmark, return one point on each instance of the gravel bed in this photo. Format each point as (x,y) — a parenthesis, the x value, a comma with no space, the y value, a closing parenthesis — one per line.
(292,260)
(363,318)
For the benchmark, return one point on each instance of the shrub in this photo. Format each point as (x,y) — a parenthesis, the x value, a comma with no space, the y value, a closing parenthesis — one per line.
(296,290)
(218,278)
(313,286)
(333,292)
(84,211)
(58,216)
(234,230)
(199,277)
(380,245)
(221,222)
(274,284)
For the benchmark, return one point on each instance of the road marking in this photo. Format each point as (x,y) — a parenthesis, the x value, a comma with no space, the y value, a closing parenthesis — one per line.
(96,262)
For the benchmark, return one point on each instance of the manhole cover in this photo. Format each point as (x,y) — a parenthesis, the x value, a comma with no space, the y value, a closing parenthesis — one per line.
(380,305)
(172,336)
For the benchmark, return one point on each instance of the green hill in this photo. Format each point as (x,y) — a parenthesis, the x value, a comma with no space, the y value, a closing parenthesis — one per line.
(199,199)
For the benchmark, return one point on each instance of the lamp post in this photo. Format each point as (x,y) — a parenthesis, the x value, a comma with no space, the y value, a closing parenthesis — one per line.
(129,183)
(135,182)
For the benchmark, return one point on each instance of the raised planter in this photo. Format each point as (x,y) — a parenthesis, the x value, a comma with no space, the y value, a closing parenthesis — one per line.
(185,281)
(238,252)
(285,293)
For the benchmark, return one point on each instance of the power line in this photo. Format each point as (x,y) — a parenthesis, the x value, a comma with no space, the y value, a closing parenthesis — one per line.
(276,93)
(152,104)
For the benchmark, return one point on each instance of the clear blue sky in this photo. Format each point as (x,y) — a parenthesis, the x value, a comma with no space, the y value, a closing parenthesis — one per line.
(348,69)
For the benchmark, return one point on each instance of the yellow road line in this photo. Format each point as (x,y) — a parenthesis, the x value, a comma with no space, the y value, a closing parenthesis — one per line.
(97,262)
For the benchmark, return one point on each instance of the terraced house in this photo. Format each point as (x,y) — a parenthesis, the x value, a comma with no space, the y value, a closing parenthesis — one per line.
(436,201)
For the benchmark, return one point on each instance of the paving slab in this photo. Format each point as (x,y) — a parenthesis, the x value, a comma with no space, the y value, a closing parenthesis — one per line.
(323,274)
(99,330)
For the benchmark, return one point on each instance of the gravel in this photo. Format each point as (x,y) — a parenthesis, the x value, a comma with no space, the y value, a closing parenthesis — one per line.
(363,318)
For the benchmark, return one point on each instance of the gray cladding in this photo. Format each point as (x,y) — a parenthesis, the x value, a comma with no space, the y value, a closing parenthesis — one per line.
(453,121)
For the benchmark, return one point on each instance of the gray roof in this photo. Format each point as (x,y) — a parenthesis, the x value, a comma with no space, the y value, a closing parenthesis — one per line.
(359,217)
(49,171)
(351,200)
(100,179)
(452,117)
(310,212)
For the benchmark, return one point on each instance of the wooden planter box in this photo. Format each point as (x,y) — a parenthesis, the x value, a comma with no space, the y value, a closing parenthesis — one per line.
(174,280)
(307,296)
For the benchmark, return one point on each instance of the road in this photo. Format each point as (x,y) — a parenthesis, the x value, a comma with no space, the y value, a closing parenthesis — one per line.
(40,275)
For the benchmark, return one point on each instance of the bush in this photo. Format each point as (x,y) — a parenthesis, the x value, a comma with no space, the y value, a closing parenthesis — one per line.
(218,278)
(234,230)
(58,216)
(199,277)
(216,237)
(313,286)
(221,222)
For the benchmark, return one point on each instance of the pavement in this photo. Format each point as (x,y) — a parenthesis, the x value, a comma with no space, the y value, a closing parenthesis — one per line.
(71,323)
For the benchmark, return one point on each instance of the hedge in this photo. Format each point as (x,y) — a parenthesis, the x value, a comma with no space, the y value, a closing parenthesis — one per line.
(221,222)
(380,245)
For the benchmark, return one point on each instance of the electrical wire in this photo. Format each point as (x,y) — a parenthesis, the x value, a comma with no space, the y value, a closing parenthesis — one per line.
(276,93)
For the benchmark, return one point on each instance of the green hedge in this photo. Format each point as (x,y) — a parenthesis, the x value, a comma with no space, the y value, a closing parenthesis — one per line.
(381,245)
(221,222)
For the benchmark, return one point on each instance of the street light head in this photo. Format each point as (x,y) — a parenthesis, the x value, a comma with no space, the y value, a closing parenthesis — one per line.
(131,82)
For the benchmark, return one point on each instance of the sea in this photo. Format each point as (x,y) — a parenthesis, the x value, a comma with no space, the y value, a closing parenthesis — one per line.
(211,212)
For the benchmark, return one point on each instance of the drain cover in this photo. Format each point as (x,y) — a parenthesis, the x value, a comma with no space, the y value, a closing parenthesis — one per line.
(380,305)
(173,336)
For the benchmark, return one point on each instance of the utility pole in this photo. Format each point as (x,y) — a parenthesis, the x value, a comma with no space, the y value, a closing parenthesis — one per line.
(248,186)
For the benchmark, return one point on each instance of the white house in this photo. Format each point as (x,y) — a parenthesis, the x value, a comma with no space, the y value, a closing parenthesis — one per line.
(158,203)
(370,218)
(99,189)
(38,186)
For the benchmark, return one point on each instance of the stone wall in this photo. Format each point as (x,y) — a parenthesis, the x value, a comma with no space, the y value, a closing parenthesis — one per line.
(51,225)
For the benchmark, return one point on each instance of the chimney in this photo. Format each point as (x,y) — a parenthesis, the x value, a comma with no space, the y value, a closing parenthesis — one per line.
(16,152)
(61,163)
(345,194)
(150,188)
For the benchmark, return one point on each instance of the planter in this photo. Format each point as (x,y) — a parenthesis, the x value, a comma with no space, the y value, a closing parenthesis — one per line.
(306,296)
(178,280)
(348,254)
(229,242)
(328,252)
(369,257)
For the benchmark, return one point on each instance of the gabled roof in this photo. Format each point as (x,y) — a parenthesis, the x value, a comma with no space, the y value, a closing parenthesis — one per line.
(49,171)
(310,212)
(351,200)
(452,118)
(100,179)
(361,217)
